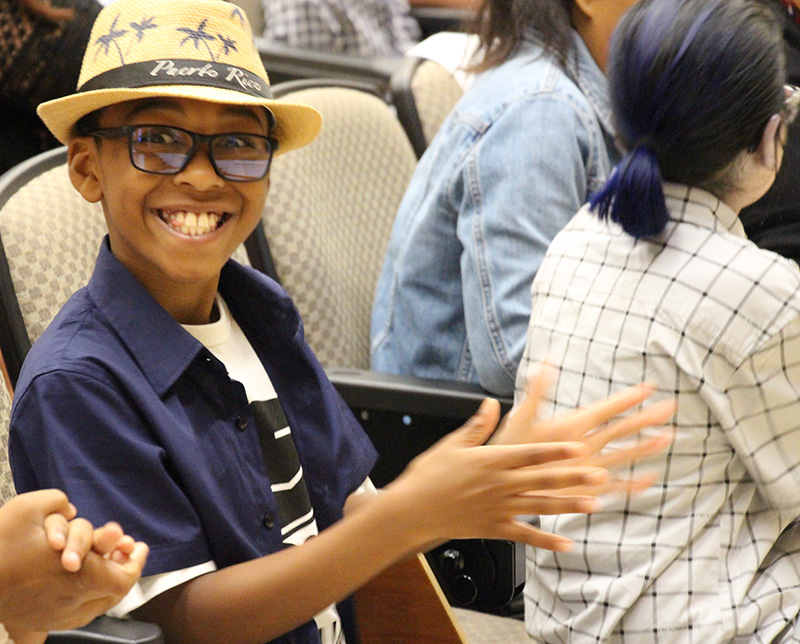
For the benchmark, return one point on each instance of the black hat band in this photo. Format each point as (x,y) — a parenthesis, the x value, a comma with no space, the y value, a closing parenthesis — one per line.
(179,71)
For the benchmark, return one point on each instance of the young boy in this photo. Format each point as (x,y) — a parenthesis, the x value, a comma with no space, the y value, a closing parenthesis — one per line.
(176,394)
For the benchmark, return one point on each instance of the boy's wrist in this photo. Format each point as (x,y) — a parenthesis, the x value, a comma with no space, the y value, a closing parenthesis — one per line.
(410,525)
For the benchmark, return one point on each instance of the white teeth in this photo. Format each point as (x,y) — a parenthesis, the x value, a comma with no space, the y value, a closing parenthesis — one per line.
(191,223)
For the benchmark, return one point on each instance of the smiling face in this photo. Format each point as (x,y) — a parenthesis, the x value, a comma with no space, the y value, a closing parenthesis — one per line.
(173,232)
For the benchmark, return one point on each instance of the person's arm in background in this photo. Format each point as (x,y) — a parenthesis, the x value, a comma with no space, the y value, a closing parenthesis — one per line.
(758,411)
(57,572)
(523,181)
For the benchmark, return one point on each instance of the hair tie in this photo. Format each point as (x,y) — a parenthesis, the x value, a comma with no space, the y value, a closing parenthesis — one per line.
(646,142)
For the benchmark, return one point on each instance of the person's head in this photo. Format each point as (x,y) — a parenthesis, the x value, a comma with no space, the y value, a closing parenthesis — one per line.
(502,25)
(173,128)
(697,95)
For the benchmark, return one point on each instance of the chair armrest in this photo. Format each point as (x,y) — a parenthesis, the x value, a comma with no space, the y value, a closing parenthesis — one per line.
(108,630)
(445,398)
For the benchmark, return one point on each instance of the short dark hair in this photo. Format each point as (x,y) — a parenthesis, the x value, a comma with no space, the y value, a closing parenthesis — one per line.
(693,84)
(87,123)
(502,25)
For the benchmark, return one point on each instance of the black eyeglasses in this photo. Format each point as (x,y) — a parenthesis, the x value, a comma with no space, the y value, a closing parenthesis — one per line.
(159,149)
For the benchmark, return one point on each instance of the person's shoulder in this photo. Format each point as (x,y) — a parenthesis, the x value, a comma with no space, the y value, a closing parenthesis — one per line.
(529,77)
(78,339)
(751,297)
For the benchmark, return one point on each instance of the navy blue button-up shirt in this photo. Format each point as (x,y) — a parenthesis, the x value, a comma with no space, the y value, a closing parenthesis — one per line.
(137,422)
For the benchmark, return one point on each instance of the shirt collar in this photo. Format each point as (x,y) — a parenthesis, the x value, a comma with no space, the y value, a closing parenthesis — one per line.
(254,301)
(163,354)
(592,82)
(582,70)
(701,208)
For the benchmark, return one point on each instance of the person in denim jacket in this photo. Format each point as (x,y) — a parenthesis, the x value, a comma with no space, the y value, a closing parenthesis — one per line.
(527,145)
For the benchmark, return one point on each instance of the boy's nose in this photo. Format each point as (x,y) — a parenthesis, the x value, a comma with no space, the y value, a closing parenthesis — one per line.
(200,172)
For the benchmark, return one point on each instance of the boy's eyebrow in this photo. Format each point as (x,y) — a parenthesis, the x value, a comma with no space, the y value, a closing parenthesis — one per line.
(147,104)
(144,105)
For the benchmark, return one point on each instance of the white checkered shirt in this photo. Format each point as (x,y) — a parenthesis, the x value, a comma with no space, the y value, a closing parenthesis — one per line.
(710,553)
(361,27)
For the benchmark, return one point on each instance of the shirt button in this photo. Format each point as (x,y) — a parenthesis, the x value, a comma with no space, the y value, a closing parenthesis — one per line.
(269,521)
(241,422)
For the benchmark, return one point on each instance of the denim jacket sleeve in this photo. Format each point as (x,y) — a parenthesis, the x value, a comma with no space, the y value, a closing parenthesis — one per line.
(523,179)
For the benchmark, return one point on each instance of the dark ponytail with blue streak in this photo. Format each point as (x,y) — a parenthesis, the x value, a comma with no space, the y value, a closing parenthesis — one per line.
(693,84)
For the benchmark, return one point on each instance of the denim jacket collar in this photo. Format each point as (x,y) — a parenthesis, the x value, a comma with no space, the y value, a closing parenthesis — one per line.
(582,70)
(592,81)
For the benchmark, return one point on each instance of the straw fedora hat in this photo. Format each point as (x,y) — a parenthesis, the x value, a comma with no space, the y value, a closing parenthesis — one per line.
(200,49)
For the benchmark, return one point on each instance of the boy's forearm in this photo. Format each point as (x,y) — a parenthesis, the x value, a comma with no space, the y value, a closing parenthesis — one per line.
(281,591)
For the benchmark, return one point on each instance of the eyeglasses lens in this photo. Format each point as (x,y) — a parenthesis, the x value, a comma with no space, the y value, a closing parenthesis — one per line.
(165,150)
(240,157)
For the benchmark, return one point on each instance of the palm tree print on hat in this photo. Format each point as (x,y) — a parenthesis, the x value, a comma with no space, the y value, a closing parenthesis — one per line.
(109,39)
(199,35)
(144,25)
(227,44)
(237,13)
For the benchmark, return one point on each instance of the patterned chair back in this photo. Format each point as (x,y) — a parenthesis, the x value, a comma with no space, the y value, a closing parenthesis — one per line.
(6,484)
(49,238)
(329,213)
(436,93)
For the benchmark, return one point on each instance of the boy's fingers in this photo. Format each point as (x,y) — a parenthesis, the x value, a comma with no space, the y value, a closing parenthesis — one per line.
(652,416)
(525,533)
(79,543)
(539,379)
(584,419)
(554,504)
(627,455)
(479,428)
(136,560)
(105,539)
(56,529)
(507,457)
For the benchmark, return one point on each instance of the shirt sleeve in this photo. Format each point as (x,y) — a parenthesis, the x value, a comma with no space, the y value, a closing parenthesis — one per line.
(763,418)
(524,180)
(73,431)
(148,587)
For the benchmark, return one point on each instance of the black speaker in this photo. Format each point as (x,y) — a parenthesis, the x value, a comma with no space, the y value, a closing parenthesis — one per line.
(482,574)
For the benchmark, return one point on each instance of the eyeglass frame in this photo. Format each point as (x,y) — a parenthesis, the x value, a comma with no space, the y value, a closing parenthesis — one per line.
(202,139)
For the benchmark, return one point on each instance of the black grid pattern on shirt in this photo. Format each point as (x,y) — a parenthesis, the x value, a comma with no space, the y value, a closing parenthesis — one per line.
(711,319)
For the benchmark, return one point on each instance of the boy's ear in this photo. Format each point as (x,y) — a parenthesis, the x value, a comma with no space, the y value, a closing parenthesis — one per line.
(84,164)
(767,150)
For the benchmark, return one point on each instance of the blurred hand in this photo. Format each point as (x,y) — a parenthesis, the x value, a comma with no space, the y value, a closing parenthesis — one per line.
(467,489)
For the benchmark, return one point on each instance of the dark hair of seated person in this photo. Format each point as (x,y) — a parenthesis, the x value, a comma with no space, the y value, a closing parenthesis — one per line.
(686,122)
